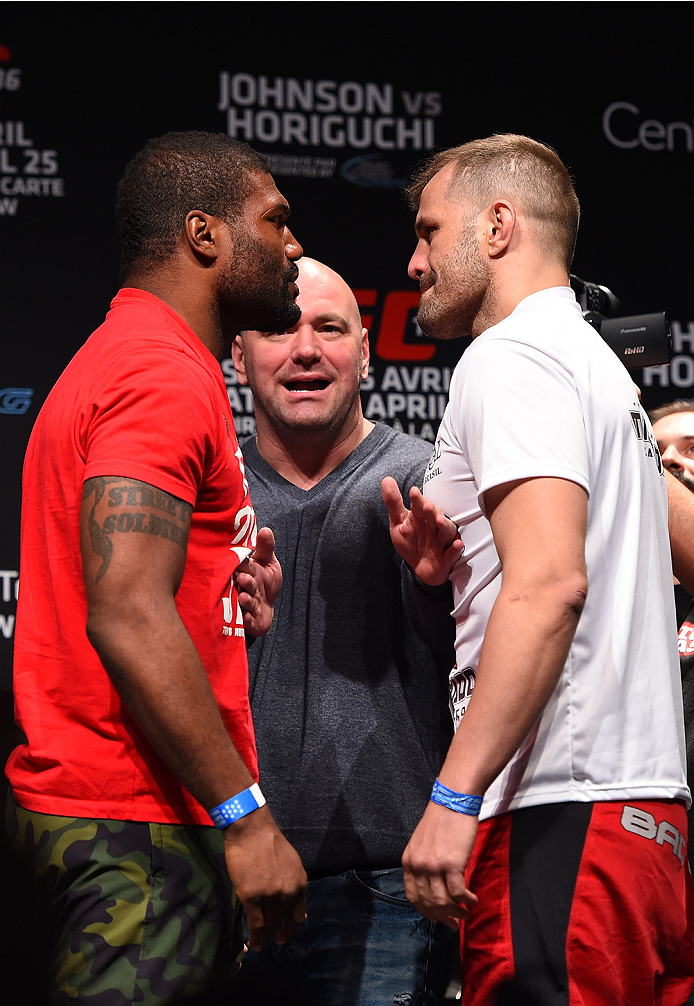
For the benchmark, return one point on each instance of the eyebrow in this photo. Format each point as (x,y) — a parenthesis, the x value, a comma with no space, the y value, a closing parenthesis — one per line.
(332,316)
(320,320)
(688,437)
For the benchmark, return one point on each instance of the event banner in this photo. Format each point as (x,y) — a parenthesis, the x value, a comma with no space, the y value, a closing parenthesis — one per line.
(346,101)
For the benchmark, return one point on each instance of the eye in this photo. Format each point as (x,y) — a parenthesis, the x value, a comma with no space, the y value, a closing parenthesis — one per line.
(278,218)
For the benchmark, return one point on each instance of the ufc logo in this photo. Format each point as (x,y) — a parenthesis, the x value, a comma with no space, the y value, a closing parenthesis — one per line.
(640,822)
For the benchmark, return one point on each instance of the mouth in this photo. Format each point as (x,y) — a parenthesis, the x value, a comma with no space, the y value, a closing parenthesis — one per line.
(307,384)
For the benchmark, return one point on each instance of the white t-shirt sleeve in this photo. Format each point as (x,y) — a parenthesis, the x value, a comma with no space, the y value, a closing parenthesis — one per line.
(520,417)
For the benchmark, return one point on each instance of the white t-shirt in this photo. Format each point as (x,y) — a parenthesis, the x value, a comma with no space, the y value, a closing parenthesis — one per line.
(540,394)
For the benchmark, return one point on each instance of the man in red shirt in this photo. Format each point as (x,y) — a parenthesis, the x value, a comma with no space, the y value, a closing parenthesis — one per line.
(137,534)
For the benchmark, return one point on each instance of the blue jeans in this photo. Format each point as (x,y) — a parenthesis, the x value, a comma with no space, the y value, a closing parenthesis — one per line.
(363,944)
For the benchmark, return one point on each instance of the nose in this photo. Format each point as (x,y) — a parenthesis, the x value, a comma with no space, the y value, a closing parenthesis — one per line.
(306,346)
(672,459)
(419,263)
(292,248)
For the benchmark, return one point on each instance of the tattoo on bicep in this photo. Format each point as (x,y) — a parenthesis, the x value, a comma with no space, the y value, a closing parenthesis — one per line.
(101,543)
(131,504)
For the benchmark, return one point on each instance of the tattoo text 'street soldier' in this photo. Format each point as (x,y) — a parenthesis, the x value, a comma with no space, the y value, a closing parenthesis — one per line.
(126,506)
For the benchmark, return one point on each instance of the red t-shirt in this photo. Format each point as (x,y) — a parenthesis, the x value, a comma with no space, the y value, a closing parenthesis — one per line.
(142,399)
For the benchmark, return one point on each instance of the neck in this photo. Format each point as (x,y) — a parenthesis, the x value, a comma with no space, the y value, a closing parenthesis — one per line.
(194,304)
(512,289)
(304,456)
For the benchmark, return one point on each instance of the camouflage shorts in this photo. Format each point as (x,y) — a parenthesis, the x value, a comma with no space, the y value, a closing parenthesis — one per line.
(143,913)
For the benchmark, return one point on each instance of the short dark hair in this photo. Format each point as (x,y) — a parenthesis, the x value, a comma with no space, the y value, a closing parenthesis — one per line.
(172,175)
(523,169)
(670,408)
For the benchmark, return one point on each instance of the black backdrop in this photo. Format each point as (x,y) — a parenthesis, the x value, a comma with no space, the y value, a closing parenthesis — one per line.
(346,98)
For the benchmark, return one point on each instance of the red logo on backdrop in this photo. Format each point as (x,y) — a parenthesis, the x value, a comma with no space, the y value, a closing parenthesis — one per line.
(5,54)
(685,639)
(396,338)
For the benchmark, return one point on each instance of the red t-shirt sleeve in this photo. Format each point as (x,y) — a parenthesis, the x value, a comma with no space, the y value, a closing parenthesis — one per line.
(152,420)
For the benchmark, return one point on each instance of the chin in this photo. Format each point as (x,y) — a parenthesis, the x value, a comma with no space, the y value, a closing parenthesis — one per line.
(275,317)
(313,417)
(283,318)
(305,423)
(440,327)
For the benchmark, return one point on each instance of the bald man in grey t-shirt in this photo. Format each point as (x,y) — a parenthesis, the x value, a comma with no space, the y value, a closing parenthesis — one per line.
(349,705)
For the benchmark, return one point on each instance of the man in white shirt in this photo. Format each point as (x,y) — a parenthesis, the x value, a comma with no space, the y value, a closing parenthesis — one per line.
(570,744)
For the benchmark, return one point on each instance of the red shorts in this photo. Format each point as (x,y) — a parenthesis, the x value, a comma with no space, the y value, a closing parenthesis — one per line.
(581,904)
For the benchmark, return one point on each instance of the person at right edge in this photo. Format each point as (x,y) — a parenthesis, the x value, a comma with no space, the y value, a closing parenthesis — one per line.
(673,427)
(556,833)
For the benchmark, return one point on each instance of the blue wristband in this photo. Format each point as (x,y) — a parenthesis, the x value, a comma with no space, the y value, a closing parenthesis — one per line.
(232,810)
(463,803)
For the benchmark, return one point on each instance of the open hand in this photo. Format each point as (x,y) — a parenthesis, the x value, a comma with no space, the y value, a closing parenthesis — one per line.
(259,579)
(424,537)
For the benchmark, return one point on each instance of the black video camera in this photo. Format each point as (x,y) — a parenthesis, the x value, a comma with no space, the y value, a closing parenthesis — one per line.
(641,340)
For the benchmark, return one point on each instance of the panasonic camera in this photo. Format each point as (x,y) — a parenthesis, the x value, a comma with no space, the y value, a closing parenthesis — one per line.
(640,340)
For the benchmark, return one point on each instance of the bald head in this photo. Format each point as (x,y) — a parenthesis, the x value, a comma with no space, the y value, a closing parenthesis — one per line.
(319,282)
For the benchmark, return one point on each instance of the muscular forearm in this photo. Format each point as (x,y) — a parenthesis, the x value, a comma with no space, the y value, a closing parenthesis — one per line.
(539,528)
(525,647)
(156,670)
(131,581)
(681,527)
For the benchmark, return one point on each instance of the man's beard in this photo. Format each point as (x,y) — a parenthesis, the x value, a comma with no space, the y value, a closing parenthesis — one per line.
(449,313)
(685,478)
(256,295)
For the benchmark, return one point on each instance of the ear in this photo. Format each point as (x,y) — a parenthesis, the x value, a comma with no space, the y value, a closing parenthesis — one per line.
(500,225)
(237,355)
(202,233)
(365,353)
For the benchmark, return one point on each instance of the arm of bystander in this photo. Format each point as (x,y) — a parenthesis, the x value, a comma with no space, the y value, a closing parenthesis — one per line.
(423,536)
(259,579)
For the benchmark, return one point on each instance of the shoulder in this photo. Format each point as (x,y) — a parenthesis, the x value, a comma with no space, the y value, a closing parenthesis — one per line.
(397,443)
(399,454)
(267,488)
(154,360)
(252,458)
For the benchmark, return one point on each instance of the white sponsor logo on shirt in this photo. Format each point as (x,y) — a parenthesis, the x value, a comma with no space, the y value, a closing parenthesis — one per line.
(640,822)
(460,686)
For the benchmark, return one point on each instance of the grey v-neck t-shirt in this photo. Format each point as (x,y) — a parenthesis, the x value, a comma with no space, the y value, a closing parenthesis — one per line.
(349,705)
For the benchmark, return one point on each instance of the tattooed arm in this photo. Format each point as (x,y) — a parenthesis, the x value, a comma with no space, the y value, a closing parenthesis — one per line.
(134,541)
